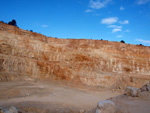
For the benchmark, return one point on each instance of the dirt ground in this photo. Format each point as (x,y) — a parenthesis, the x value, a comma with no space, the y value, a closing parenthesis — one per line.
(32,96)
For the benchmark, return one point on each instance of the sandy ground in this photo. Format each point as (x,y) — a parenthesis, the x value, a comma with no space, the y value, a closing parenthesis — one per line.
(46,97)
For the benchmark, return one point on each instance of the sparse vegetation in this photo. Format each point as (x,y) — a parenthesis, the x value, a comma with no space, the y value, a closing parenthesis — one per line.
(122,41)
(13,22)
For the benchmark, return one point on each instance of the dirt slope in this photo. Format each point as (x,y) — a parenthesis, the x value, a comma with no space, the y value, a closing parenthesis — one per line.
(44,97)
(50,96)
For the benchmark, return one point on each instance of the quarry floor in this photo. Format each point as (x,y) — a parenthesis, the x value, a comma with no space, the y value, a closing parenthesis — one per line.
(31,96)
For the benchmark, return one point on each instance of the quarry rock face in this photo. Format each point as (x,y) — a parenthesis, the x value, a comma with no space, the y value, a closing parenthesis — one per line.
(90,62)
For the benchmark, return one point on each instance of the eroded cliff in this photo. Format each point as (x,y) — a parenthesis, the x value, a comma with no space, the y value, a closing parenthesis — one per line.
(91,62)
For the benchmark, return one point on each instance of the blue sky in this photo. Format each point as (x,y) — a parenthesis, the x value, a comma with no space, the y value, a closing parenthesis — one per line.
(112,20)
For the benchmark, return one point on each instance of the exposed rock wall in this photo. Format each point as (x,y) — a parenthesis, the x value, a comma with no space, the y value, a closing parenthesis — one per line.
(92,62)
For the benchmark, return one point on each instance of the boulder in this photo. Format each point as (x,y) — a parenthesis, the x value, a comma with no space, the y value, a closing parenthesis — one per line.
(106,106)
(133,92)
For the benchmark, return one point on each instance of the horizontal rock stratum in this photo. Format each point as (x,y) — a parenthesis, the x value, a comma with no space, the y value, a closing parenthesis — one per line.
(90,62)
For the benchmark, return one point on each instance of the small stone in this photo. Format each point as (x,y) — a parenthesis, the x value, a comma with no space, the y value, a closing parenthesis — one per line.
(12,110)
(1,110)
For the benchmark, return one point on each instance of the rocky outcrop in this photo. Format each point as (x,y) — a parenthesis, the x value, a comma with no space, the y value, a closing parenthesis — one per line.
(91,62)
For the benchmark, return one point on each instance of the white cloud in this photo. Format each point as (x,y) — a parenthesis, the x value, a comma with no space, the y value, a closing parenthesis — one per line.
(110,20)
(88,11)
(143,41)
(115,26)
(127,30)
(114,20)
(44,26)
(141,2)
(116,30)
(122,8)
(119,36)
(98,4)
(124,22)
